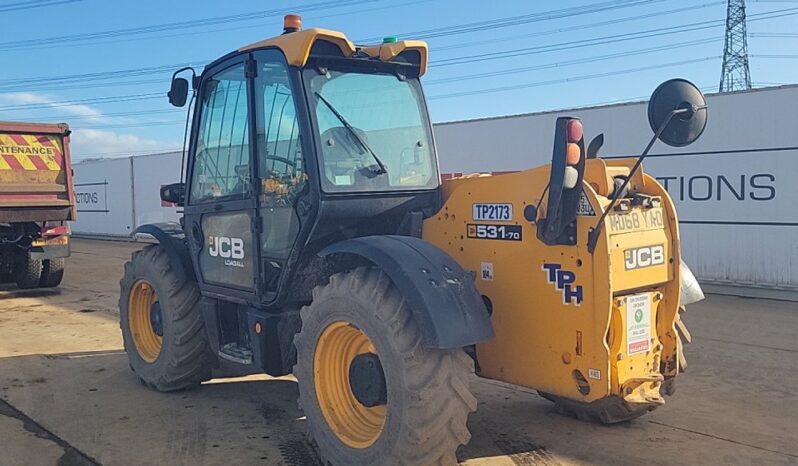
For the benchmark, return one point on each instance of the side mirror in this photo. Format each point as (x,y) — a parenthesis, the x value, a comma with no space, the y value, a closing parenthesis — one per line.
(174,193)
(178,93)
(685,127)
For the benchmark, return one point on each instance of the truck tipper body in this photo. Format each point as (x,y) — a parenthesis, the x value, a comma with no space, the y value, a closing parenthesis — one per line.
(37,200)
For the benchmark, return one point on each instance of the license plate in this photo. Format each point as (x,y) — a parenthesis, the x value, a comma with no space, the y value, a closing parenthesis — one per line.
(493,212)
(57,241)
(635,220)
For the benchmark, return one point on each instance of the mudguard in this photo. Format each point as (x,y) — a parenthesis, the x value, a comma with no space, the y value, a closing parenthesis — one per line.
(442,296)
(173,239)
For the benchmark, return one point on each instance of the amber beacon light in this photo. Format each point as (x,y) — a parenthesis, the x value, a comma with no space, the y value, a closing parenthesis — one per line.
(292,23)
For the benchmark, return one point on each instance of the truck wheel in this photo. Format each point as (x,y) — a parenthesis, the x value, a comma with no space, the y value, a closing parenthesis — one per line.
(28,271)
(372,392)
(52,272)
(162,325)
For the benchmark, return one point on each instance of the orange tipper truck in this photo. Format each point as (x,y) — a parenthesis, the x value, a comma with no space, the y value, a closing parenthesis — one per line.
(37,199)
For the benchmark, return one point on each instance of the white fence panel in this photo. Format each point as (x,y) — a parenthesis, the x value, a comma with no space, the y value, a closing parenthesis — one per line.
(105,206)
(150,172)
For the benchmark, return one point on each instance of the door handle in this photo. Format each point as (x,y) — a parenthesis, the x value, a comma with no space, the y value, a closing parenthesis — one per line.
(218,207)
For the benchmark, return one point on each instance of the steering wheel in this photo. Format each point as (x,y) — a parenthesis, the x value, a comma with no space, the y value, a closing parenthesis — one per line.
(284,160)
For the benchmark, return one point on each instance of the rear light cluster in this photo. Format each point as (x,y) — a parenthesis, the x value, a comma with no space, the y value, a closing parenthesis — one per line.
(573,153)
(50,231)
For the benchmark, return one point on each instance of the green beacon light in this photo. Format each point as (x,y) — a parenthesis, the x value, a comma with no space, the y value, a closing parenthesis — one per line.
(390,40)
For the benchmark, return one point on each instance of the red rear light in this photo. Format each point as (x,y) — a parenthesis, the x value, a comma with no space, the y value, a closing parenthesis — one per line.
(574,131)
(56,230)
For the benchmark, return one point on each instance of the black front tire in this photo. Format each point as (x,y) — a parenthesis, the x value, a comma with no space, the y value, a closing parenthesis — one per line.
(184,359)
(52,272)
(428,395)
(28,271)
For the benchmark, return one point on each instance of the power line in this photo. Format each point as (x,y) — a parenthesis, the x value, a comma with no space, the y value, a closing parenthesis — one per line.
(94,100)
(570,79)
(438,32)
(235,28)
(773,34)
(580,27)
(133,125)
(481,91)
(497,23)
(178,25)
(148,96)
(576,61)
(31,4)
(28,83)
(71,86)
(130,72)
(466,59)
(107,115)
(605,40)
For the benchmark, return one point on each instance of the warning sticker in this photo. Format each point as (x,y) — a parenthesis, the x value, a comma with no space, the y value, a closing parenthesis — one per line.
(487,271)
(638,323)
(584,208)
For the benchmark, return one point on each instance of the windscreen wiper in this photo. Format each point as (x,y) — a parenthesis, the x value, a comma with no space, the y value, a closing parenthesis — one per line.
(381,170)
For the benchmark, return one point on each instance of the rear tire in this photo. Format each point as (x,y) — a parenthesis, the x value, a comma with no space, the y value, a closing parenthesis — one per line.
(428,402)
(28,271)
(166,345)
(52,272)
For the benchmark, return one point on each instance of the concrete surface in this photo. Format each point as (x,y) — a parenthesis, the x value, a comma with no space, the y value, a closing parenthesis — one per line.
(68,397)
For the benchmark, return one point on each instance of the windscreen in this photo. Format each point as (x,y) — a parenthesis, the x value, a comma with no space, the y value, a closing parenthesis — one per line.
(374,132)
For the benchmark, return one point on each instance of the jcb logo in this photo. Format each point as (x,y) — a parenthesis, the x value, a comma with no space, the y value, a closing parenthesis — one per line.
(647,256)
(223,246)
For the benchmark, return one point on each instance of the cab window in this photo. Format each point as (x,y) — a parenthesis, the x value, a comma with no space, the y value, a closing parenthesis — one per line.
(281,169)
(374,132)
(221,163)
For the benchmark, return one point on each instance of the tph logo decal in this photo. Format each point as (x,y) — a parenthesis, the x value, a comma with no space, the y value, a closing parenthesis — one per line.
(564,281)
(231,249)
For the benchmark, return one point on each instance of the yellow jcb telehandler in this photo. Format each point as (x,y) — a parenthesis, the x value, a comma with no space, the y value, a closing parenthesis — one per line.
(317,239)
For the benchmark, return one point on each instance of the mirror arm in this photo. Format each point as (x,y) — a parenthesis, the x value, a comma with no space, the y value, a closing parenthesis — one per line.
(185,68)
(592,237)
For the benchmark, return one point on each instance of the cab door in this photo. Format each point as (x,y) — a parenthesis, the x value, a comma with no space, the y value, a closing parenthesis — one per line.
(281,181)
(220,210)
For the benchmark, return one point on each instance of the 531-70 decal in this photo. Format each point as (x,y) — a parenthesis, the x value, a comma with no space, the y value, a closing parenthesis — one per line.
(501,232)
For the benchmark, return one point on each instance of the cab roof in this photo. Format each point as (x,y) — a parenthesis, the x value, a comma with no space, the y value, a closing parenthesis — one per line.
(296,47)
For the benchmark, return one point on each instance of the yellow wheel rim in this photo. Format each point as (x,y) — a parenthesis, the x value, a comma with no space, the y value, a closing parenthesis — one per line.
(357,426)
(148,342)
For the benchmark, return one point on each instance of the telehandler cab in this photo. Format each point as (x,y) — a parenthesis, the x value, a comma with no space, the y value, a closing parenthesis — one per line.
(317,239)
